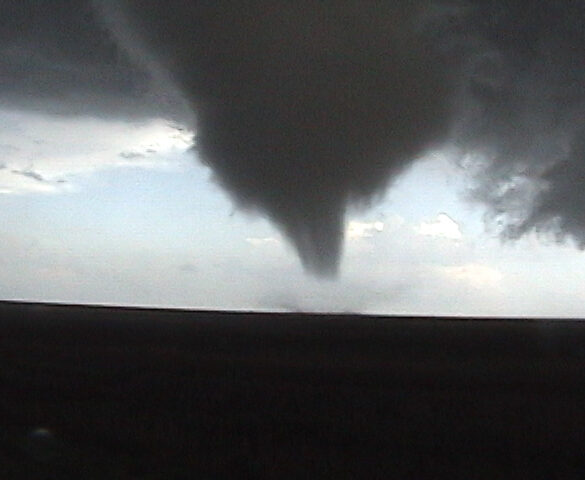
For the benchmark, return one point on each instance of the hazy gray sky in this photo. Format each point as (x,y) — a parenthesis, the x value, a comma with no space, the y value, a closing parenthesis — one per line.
(132,218)
(147,165)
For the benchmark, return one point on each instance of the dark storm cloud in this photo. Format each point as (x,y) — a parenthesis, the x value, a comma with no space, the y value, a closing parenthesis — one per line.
(305,108)
(523,109)
(57,56)
(302,107)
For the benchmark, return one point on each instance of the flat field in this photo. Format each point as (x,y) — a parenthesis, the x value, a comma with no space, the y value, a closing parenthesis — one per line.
(117,393)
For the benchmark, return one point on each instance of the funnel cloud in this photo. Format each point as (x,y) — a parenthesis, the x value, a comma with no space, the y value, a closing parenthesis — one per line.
(303,110)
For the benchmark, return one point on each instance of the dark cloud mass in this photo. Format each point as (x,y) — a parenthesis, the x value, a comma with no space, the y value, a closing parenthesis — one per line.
(301,107)
(57,56)
(305,108)
(523,109)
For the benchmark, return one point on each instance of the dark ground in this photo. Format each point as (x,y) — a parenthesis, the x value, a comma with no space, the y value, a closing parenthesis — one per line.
(143,394)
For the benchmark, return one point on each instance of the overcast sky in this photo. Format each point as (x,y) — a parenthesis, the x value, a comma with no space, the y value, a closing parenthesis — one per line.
(105,197)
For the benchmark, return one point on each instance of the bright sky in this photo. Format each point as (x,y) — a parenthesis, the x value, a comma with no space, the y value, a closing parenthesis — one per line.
(105,212)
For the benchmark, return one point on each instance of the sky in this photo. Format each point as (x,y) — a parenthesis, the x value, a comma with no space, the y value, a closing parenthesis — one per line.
(254,168)
(136,219)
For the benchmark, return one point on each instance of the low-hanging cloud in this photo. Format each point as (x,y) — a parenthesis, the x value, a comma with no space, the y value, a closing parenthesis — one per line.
(522,113)
(303,109)
(58,57)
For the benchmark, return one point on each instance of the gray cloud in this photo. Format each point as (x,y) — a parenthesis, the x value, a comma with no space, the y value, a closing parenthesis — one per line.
(30,174)
(301,109)
(36,176)
(304,109)
(130,155)
(523,110)
(58,57)
(188,268)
